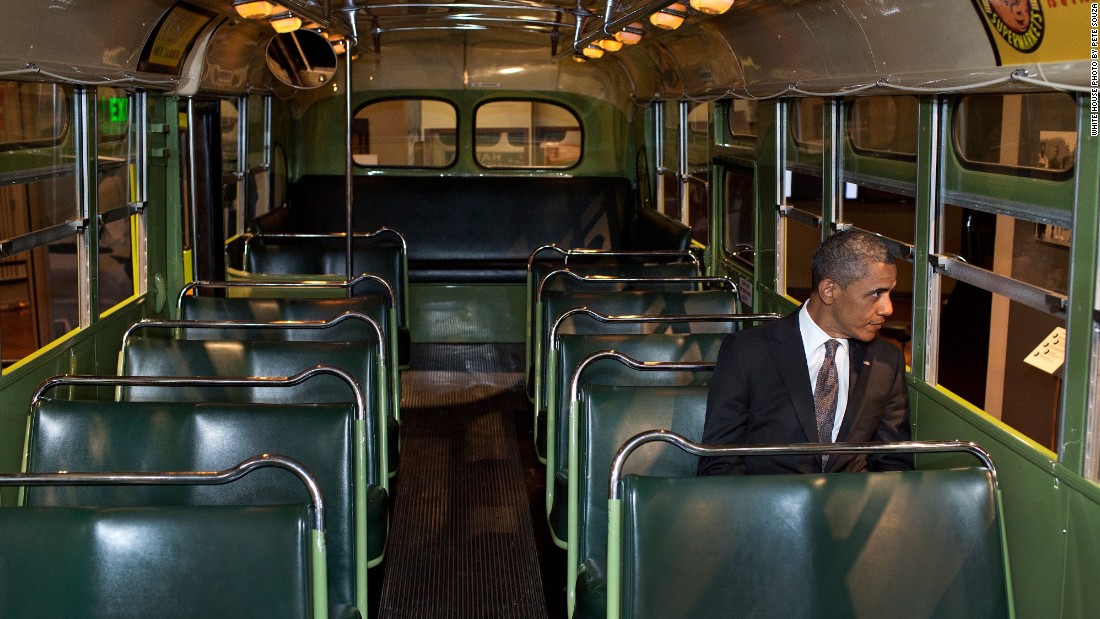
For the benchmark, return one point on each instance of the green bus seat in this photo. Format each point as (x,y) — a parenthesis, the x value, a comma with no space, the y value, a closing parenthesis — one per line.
(90,435)
(296,257)
(168,560)
(606,417)
(925,543)
(550,258)
(174,561)
(570,351)
(271,309)
(622,303)
(156,356)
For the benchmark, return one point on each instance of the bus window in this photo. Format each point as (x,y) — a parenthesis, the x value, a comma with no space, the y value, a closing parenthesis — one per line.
(229,118)
(34,114)
(258,200)
(740,205)
(890,215)
(668,162)
(742,119)
(884,126)
(698,167)
(405,133)
(114,190)
(38,204)
(987,338)
(806,124)
(526,134)
(804,195)
(1032,134)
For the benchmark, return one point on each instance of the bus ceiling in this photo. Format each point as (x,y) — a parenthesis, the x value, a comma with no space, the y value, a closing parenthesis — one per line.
(757,48)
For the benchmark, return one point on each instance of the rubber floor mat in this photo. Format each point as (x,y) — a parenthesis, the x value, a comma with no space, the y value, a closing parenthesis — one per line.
(461,542)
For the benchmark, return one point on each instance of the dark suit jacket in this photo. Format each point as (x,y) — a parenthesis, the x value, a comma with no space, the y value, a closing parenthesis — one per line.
(760,394)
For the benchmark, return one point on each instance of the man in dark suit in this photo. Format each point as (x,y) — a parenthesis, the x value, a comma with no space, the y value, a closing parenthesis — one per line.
(762,391)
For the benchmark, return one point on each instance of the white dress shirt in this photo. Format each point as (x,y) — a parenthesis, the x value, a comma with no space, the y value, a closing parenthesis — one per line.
(813,340)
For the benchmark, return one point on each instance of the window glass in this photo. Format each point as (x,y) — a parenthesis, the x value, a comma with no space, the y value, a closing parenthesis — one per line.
(890,214)
(116,271)
(1034,253)
(884,125)
(807,124)
(985,338)
(1020,133)
(740,198)
(114,120)
(256,112)
(699,143)
(526,134)
(229,119)
(742,118)
(117,161)
(34,114)
(405,133)
(669,167)
(61,300)
(38,298)
(804,192)
(801,240)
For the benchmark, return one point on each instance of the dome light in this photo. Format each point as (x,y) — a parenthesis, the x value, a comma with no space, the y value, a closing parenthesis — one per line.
(711,7)
(670,17)
(631,34)
(255,9)
(610,45)
(286,22)
(593,51)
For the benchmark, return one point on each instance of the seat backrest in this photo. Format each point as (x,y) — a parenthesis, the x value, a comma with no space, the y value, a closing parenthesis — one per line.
(154,356)
(286,258)
(572,349)
(635,302)
(913,544)
(259,309)
(86,435)
(539,269)
(607,417)
(181,561)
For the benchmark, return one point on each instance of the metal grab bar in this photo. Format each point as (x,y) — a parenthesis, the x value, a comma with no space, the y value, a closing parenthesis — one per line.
(646,318)
(180,478)
(634,364)
(307,284)
(151,323)
(697,449)
(667,279)
(613,253)
(208,381)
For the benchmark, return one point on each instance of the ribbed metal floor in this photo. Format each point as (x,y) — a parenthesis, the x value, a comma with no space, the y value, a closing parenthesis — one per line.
(461,541)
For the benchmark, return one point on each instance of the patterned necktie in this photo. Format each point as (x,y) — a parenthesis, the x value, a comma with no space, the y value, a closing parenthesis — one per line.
(825,396)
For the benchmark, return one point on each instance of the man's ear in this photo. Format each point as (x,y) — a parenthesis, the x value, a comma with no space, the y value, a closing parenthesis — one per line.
(826,290)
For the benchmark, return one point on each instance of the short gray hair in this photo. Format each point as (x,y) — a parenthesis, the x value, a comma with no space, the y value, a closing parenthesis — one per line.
(847,256)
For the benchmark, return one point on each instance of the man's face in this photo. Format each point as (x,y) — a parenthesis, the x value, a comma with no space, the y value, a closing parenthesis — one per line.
(858,311)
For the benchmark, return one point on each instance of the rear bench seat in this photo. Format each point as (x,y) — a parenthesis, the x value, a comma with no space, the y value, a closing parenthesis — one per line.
(481,229)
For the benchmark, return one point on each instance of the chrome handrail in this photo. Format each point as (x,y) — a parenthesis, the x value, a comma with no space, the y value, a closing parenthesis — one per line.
(360,399)
(698,449)
(634,364)
(202,478)
(654,318)
(305,284)
(665,279)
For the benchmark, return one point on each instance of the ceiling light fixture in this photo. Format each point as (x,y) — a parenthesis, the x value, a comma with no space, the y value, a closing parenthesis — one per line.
(711,7)
(670,17)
